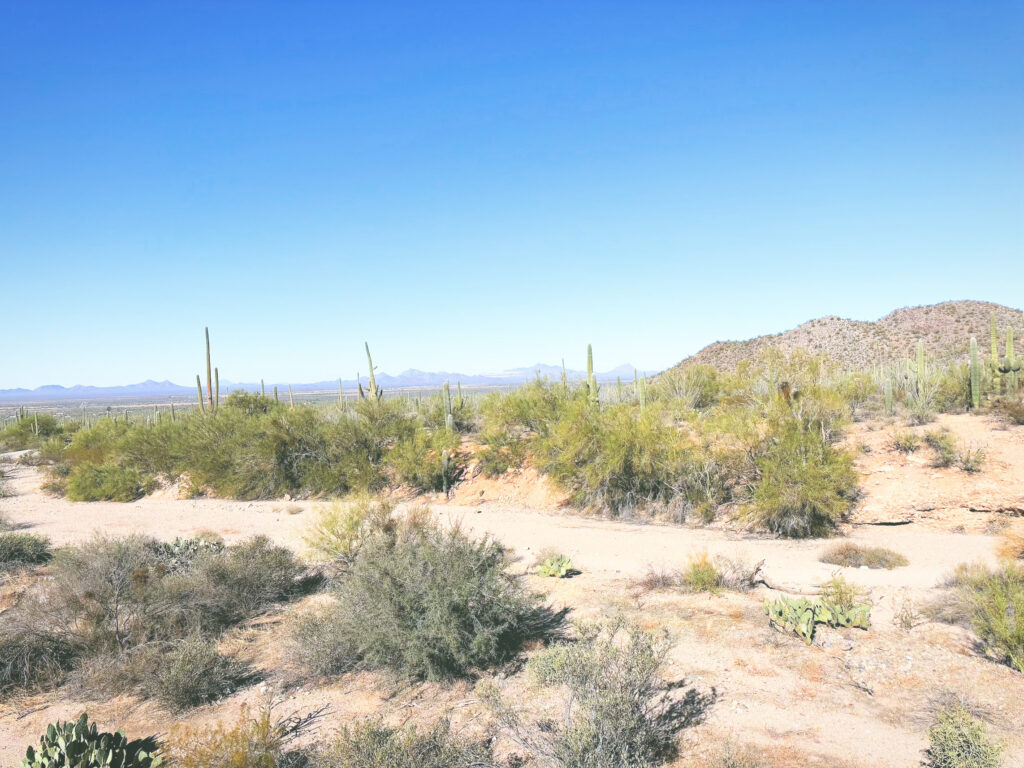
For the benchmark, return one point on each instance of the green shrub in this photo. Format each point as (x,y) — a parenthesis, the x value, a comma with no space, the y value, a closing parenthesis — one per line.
(424,603)
(375,745)
(971,460)
(342,527)
(905,441)
(30,431)
(851,555)
(957,739)
(942,442)
(418,461)
(193,672)
(805,486)
(617,711)
(81,745)
(20,550)
(994,605)
(702,575)
(106,482)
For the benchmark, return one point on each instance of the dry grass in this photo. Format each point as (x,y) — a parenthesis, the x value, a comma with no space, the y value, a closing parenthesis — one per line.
(851,555)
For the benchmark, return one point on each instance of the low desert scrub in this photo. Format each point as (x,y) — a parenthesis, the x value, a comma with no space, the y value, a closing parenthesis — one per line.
(424,603)
(1011,409)
(970,460)
(342,527)
(732,755)
(106,482)
(375,745)
(30,431)
(23,550)
(948,454)
(617,708)
(851,555)
(702,574)
(193,672)
(257,739)
(992,601)
(116,612)
(958,739)
(905,441)
(5,490)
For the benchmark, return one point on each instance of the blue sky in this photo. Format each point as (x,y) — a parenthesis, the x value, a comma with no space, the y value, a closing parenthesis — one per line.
(480,185)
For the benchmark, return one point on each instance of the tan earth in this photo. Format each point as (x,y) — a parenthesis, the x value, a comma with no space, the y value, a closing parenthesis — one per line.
(854,698)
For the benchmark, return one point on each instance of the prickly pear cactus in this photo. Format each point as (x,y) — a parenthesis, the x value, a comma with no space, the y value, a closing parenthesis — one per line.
(556,567)
(79,744)
(801,616)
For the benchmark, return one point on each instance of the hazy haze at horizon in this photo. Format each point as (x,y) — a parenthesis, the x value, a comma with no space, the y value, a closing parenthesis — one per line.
(474,188)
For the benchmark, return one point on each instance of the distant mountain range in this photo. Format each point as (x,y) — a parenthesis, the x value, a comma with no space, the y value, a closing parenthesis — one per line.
(407,379)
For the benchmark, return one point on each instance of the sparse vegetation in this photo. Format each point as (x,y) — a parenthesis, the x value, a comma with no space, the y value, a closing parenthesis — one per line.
(851,555)
(905,441)
(22,550)
(423,602)
(375,745)
(957,739)
(992,601)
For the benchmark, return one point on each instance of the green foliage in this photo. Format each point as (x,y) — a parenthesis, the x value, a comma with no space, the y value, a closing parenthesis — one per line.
(556,566)
(905,441)
(342,527)
(193,672)
(375,745)
(801,616)
(425,460)
(106,482)
(424,603)
(942,442)
(29,431)
(21,550)
(702,575)
(957,739)
(851,555)
(805,486)
(617,711)
(994,602)
(80,744)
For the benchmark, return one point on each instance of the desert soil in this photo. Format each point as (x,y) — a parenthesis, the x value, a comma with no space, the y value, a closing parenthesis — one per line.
(854,698)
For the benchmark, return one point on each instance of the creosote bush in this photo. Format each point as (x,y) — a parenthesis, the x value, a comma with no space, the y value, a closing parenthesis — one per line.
(851,555)
(116,611)
(424,603)
(617,711)
(105,482)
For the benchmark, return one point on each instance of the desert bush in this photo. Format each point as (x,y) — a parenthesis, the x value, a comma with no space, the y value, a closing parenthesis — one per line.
(970,460)
(30,431)
(617,711)
(1011,409)
(427,461)
(851,555)
(905,441)
(839,594)
(20,550)
(193,672)
(994,604)
(957,739)
(34,654)
(375,745)
(257,739)
(942,442)
(81,745)
(105,482)
(423,603)
(701,574)
(805,486)
(342,527)
(615,459)
(696,387)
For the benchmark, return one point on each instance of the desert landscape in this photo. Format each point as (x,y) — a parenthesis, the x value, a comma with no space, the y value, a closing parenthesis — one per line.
(935,493)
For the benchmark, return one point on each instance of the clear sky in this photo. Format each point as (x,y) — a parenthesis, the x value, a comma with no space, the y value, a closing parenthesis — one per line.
(482,185)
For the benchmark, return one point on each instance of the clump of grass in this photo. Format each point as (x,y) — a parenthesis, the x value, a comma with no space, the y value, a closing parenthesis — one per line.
(732,755)
(851,555)
(942,442)
(106,482)
(342,527)
(425,603)
(23,550)
(905,441)
(971,460)
(957,739)
(702,575)
(257,739)
(839,593)
(374,745)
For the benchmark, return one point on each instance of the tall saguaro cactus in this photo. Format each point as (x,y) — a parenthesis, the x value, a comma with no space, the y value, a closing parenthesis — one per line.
(449,417)
(1010,365)
(199,388)
(216,388)
(375,392)
(209,372)
(975,372)
(591,378)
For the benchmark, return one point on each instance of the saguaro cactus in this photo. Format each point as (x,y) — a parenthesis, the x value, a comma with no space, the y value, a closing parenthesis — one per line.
(591,378)
(291,397)
(449,417)
(1010,365)
(199,389)
(975,371)
(375,392)
(209,372)
(216,388)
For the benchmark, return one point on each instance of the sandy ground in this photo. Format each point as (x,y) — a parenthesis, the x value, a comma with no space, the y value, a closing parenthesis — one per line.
(853,699)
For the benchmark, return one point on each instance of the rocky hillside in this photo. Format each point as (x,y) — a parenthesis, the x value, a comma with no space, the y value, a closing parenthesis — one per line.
(945,328)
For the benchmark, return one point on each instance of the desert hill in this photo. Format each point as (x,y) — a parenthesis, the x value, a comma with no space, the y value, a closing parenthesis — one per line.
(944,328)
